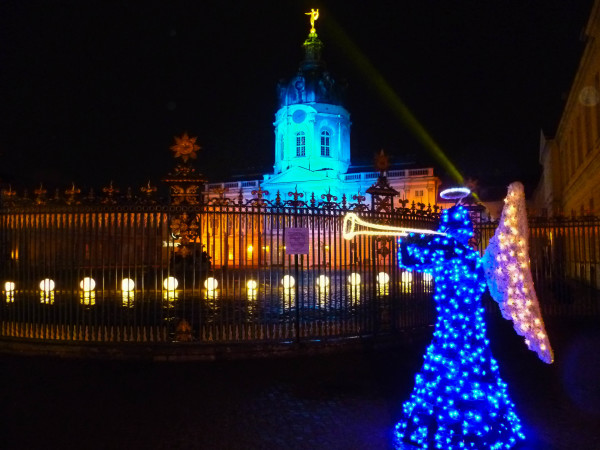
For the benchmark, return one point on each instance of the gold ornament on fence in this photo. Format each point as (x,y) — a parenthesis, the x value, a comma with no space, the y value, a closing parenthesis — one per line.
(185,147)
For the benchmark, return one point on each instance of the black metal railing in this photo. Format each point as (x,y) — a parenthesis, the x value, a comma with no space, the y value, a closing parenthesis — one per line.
(202,272)
(565,263)
(95,269)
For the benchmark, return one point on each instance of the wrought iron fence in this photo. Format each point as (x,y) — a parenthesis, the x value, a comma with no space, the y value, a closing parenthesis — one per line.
(124,268)
(213,272)
(565,263)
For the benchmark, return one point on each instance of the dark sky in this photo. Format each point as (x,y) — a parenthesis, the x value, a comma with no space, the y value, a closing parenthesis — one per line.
(94,91)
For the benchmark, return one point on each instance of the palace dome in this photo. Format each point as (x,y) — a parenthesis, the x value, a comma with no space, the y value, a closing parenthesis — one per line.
(312,83)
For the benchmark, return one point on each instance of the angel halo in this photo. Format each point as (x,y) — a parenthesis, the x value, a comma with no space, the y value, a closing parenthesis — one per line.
(455,193)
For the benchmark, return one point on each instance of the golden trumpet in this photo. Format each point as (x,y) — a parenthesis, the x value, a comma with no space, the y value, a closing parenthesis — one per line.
(351,221)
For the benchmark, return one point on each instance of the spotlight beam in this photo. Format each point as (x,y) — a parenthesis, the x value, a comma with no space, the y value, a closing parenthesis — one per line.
(392,99)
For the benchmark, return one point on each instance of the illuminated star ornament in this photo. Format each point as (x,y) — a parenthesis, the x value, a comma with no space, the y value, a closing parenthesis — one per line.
(185,147)
(459,400)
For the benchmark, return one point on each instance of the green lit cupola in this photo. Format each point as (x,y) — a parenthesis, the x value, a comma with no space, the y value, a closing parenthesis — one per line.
(312,127)
(313,83)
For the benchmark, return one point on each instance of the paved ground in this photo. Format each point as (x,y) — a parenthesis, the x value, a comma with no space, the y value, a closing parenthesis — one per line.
(345,401)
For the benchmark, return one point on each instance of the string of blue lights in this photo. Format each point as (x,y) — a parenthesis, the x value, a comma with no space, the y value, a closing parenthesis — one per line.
(459,400)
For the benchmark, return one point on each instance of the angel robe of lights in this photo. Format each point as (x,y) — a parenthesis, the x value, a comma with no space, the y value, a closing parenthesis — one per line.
(459,400)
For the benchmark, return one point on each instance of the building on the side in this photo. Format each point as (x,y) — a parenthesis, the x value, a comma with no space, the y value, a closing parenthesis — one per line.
(312,145)
(570,182)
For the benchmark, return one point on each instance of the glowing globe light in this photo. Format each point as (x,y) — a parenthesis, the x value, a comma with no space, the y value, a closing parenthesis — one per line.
(127,285)
(87,284)
(407,277)
(170,283)
(288,281)
(383,278)
(9,286)
(354,279)
(47,285)
(251,284)
(323,281)
(211,283)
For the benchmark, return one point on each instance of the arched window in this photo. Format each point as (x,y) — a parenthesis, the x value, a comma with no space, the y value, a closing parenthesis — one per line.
(300,144)
(325,142)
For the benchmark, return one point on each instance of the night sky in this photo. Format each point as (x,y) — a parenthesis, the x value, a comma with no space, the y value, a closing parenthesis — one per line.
(94,91)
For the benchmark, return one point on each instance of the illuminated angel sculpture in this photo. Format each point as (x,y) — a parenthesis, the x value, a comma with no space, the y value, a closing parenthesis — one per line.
(459,400)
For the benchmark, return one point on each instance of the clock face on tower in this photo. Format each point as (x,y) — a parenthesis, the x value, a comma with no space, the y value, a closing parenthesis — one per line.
(299,116)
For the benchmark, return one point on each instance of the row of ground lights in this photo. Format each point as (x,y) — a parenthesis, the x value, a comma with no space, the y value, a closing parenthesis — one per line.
(88,284)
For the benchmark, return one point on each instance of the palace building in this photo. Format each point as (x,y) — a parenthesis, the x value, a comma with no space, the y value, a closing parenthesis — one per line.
(312,153)
(570,184)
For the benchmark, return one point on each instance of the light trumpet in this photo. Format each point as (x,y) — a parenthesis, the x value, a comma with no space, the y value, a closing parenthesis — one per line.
(351,221)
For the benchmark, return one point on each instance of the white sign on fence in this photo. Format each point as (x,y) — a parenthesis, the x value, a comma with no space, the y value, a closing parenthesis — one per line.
(296,241)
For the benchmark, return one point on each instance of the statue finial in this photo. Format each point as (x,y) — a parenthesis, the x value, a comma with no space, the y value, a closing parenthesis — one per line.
(314,15)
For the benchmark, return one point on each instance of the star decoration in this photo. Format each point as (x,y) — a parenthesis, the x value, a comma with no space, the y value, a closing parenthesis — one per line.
(185,147)
(382,162)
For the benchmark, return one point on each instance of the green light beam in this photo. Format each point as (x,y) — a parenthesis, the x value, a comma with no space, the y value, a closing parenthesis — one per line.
(392,99)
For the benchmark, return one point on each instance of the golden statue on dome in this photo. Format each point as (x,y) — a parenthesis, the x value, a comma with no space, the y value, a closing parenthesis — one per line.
(314,15)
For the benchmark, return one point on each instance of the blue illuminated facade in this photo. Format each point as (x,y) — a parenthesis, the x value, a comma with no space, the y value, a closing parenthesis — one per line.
(459,400)
(312,130)
(312,145)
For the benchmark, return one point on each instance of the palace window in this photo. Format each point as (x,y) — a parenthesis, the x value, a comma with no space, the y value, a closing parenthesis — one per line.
(325,143)
(418,193)
(300,144)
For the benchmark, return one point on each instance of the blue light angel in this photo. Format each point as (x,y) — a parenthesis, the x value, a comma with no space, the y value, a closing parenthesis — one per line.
(459,400)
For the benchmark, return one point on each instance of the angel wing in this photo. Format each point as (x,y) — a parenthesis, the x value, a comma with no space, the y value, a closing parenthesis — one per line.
(508,274)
